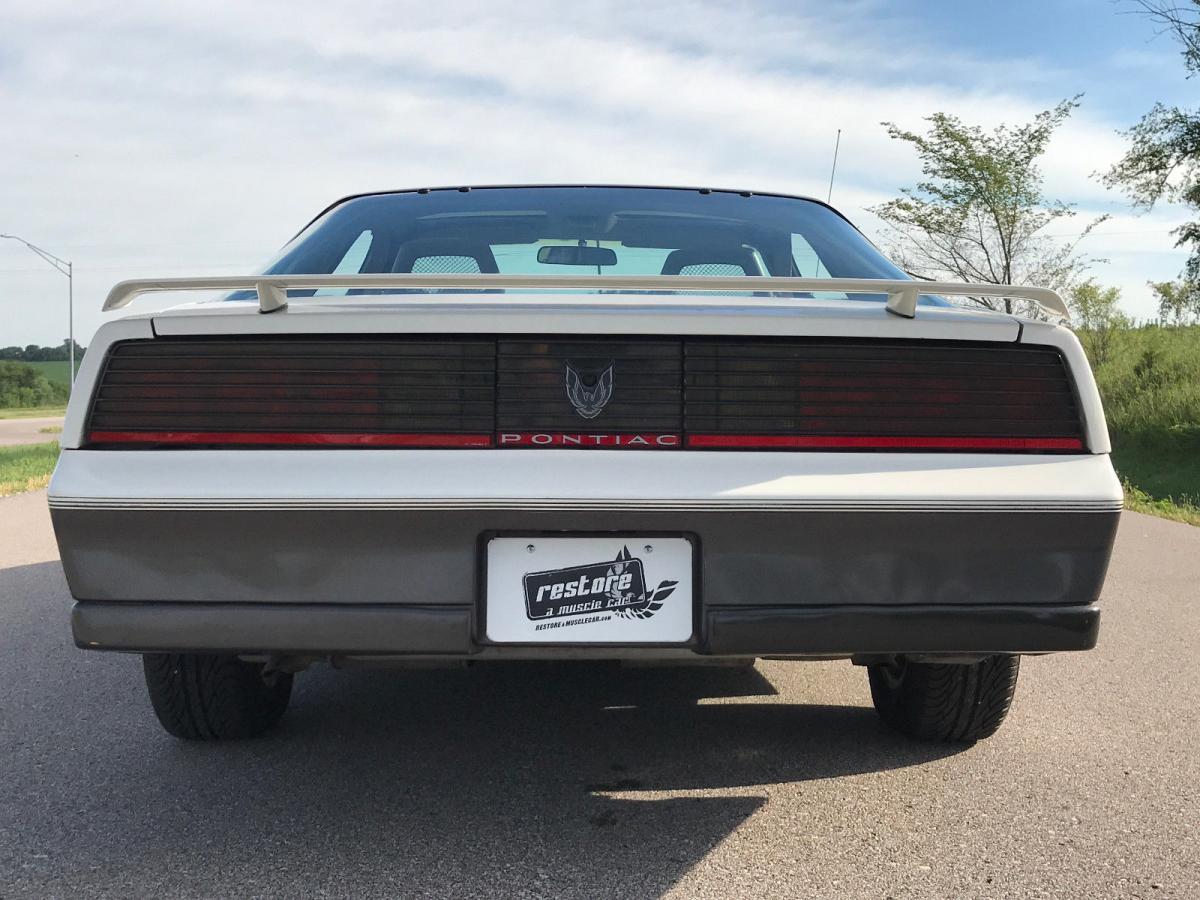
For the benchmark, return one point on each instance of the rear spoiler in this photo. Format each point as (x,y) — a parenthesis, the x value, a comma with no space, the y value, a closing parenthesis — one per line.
(272,289)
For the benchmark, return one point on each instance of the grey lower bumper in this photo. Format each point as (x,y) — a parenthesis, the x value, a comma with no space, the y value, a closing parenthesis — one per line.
(431,558)
(447,631)
(274,628)
(398,582)
(902,629)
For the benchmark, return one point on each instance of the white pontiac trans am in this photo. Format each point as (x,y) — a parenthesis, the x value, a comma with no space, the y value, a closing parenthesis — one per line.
(652,424)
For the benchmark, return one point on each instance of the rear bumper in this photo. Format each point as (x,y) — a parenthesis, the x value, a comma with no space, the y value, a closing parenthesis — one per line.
(903,629)
(449,631)
(377,552)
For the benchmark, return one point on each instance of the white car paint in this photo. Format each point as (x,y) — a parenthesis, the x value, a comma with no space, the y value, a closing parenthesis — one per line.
(582,479)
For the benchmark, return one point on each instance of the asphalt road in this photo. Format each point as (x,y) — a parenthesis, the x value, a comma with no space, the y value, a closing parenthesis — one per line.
(537,781)
(28,431)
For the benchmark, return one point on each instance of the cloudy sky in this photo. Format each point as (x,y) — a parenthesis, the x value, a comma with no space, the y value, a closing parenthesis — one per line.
(170,138)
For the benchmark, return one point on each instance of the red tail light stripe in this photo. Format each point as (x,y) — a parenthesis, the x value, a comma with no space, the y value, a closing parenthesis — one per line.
(753,441)
(289,438)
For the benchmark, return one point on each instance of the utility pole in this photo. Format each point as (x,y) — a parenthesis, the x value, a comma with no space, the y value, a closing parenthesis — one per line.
(67,268)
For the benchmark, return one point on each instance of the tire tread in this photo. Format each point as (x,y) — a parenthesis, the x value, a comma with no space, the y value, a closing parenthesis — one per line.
(947,701)
(208,697)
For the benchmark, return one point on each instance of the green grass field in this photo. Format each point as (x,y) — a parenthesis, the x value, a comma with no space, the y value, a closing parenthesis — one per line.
(1150,381)
(56,371)
(26,467)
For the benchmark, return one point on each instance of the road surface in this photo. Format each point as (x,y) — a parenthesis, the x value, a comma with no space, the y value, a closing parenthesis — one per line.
(537,781)
(29,431)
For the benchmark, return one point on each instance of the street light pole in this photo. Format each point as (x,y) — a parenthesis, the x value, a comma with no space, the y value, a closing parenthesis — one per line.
(71,321)
(67,268)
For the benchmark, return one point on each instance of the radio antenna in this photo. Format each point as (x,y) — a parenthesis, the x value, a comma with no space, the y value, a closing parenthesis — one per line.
(833,171)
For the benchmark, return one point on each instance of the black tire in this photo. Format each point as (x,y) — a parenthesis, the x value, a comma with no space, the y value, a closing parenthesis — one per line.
(210,697)
(945,701)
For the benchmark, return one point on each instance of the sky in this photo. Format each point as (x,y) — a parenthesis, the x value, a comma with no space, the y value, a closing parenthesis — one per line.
(162,138)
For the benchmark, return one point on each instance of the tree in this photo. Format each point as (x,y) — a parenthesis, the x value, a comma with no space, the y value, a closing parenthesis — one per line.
(1093,306)
(980,214)
(1178,301)
(1163,159)
(1096,315)
(24,386)
(34,353)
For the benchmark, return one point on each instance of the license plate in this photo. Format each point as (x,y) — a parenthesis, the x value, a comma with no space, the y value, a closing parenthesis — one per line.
(579,590)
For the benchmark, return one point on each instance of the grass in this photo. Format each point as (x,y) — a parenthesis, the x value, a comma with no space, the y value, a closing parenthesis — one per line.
(1140,501)
(32,412)
(56,370)
(1168,468)
(1149,378)
(26,467)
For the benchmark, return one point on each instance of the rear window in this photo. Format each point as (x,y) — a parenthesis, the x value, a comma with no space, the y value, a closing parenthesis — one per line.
(583,230)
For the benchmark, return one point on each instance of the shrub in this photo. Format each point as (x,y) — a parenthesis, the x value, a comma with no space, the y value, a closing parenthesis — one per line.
(23,386)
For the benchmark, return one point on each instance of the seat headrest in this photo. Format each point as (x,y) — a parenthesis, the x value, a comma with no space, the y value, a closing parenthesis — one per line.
(461,251)
(723,257)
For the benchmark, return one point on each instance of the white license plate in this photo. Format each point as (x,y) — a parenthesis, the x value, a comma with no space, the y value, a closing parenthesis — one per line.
(580,590)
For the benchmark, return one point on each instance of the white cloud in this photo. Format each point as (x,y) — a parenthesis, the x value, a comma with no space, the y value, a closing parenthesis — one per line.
(160,138)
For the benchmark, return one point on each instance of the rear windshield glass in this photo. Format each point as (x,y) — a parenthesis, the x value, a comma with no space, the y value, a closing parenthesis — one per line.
(583,231)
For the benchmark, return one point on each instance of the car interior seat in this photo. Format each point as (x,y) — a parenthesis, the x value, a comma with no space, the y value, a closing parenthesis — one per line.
(706,261)
(448,256)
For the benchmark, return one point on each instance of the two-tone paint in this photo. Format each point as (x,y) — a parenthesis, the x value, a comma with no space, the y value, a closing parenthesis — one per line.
(375,551)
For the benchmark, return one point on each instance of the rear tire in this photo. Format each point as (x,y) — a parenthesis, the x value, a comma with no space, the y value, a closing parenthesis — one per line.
(210,697)
(945,701)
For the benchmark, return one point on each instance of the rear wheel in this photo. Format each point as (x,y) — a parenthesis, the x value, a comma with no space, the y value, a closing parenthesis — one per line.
(945,701)
(211,697)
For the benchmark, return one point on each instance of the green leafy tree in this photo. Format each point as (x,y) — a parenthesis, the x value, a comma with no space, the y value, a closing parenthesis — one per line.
(1097,317)
(980,214)
(24,386)
(1163,159)
(1178,301)
(34,353)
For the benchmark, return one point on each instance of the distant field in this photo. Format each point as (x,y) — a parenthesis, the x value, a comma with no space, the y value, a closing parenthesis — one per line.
(55,371)
(32,412)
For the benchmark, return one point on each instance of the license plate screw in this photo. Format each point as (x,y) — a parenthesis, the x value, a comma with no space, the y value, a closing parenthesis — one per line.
(648,549)
(531,548)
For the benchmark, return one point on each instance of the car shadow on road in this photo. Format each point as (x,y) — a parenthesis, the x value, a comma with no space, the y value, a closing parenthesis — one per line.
(552,777)
(539,779)
(658,728)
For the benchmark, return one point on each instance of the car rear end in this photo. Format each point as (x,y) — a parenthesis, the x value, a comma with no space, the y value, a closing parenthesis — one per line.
(337,494)
(553,476)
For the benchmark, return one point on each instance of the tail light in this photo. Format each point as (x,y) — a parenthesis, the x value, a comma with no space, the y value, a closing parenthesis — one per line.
(840,395)
(261,392)
(666,393)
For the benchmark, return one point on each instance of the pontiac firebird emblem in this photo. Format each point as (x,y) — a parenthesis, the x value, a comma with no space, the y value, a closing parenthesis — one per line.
(589,401)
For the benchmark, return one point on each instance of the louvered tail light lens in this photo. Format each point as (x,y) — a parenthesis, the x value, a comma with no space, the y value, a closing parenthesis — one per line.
(263,392)
(511,392)
(878,395)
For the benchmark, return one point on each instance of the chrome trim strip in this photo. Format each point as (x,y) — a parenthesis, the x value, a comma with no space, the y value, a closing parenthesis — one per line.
(567,504)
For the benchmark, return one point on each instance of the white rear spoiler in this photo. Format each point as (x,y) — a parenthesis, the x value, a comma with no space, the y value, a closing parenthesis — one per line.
(272,289)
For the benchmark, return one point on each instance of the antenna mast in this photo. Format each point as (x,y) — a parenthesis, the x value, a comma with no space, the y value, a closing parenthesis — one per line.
(837,145)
